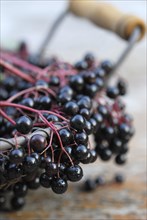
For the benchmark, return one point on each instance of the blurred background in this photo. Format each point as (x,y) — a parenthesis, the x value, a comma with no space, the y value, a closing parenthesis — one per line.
(30,21)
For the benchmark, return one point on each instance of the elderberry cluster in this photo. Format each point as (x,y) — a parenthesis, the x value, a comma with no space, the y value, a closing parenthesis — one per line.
(55,116)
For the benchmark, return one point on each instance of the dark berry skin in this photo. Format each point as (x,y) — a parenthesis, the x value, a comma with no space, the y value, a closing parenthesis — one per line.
(77,122)
(14,171)
(122,87)
(77,82)
(100,73)
(41,83)
(81,152)
(91,89)
(93,156)
(120,159)
(16,156)
(81,65)
(74,173)
(81,138)
(54,81)
(116,145)
(98,117)
(45,180)
(45,102)
(9,83)
(103,110)
(37,157)
(67,90)
(112,92)
(89,185)
(20,189)
(87,160)
(29,164)
(24,124)
(66,136)
(88,127)
(84,102)
(90,77)
(51,168)
(34,184)
(108,132)
(94,124)
(59,186)
(85,113)
(119,178)
(63,98)
(28,102)
(38,142)
(69,151)
(17,202)
(71,108)
(100,181)
(107,66)
(2,201)
(124,130)
(52,118)
(105,154)
(89,58)
(100,83)
(44,161)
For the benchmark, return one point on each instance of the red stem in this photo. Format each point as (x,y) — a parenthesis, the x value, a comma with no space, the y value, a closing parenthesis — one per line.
(7,117)
(19,62)
(16,71)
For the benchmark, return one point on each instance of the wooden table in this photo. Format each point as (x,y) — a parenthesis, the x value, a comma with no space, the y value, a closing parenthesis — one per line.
(113,201)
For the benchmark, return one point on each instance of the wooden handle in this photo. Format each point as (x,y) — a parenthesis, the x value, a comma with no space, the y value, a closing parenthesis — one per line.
(107,16)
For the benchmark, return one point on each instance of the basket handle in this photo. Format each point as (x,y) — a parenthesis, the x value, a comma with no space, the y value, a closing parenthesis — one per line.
(108,17)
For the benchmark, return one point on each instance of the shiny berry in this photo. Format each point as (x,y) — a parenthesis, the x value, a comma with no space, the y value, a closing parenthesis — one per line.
(16,156)
(77,122)
(24,124)
(38,142)
(71,108)
(17,202)
(20,189)
(59,186)
(74,173)
(45,180)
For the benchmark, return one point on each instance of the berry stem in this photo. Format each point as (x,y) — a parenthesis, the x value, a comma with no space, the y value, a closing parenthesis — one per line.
(33,89)
(9,104)
(7,117)
(7,144)
(16,71)
(19,62)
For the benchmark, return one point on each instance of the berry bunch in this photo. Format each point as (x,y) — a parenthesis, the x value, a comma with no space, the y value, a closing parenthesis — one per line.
(46,117)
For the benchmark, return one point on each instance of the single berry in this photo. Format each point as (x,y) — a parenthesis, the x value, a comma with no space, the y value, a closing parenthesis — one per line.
(38,142)
(45,180)
(34,184)
(74,173)
(17,202)
(120,159)
(24,124)
(77,122)
(71,108)
(20,189)
(66,135)
(119,178)
(81,138)
(89,185)
(81,152)
(16,156)
(59,186)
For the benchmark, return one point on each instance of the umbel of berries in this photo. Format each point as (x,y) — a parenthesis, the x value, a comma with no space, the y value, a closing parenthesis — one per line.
(47,115)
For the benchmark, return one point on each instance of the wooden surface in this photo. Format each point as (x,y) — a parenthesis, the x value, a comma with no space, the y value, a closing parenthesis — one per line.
(113,201)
